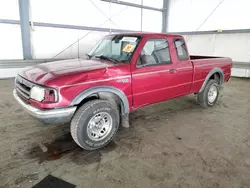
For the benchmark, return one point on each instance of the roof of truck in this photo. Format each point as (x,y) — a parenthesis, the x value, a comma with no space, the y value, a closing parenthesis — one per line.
(149,34)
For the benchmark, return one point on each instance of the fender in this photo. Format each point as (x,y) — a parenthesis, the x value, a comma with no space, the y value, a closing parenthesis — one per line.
(213,71)
(97,89)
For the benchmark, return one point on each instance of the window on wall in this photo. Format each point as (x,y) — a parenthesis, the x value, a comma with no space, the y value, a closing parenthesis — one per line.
(181,49)
(154,52)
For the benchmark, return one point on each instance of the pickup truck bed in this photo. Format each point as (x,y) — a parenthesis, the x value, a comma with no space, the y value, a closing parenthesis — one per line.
(202,68)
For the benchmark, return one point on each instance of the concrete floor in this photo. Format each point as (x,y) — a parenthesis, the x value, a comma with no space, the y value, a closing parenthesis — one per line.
(172,144)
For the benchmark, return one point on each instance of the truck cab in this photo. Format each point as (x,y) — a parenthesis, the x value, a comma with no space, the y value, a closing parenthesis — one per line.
(161,66)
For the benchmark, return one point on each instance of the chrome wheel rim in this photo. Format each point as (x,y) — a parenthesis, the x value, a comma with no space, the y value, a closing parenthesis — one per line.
(212,93)
(99,126)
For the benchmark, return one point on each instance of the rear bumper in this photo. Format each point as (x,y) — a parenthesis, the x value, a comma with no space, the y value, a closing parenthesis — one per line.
(53,116)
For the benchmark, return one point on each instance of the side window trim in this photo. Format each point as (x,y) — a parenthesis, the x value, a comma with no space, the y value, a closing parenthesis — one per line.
(185,47)
(154,39)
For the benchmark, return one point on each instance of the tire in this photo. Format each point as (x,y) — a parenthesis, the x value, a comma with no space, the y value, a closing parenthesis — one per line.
(203,97)
(90,121)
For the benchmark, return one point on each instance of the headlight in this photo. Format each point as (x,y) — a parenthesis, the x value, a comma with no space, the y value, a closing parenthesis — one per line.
(45,95)
(37,93)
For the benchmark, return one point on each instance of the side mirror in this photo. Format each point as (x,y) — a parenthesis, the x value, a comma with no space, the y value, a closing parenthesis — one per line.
(88,56)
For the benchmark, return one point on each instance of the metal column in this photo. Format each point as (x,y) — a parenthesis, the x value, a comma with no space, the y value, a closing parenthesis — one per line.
(165,16)
(25,28)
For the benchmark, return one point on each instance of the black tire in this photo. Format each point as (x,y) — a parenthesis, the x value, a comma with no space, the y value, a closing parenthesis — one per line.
(203,96)
(79,123)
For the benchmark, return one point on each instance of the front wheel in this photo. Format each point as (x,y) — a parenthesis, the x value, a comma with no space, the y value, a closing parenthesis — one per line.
(95,124)
(209,96)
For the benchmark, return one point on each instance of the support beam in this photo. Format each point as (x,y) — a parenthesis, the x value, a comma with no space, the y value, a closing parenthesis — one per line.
(88,28)
(165,16)
(25,28)
(64,26)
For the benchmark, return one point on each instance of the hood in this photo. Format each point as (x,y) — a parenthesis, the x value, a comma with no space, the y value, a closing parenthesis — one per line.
(64,72)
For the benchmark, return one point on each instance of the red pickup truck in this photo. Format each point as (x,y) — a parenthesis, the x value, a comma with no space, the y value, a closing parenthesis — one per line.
(123,72)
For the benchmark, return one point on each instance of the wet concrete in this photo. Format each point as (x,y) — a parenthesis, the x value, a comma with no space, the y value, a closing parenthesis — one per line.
(64,145)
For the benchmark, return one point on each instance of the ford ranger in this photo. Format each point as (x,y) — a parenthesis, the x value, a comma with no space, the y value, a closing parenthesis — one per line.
(121,73)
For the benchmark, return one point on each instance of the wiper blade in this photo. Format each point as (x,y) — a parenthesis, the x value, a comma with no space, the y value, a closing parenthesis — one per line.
(106,58)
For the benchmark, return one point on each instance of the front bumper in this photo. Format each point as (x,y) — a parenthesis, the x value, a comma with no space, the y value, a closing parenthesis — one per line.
(53,116)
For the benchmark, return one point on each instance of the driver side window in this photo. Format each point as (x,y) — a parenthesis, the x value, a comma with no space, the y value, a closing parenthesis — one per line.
(154,52)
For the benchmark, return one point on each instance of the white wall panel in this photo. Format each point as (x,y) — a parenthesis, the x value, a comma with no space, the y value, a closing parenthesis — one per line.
(85,45)
(188,15)
(86,13)
(151,21)
(9,9)
(9,73)
(128,18)
(10,42)
(47,42)
(235,46)
(237,72)
(153,3)
(72,12)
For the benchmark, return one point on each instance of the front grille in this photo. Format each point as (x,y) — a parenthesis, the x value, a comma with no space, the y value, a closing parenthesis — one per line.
(23,87)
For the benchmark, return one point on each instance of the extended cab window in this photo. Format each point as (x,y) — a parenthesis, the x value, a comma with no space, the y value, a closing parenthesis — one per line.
(154,52)
(181,49)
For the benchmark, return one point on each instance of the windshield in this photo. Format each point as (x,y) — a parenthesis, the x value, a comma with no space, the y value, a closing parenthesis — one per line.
(117,48)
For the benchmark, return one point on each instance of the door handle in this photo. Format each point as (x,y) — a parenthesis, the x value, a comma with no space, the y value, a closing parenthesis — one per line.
(171,71)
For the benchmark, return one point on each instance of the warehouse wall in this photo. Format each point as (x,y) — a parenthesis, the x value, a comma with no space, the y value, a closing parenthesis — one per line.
(10,42)
(10,35)
(92,13)
(47,42)
(235,46)
(202,15)
(188,15)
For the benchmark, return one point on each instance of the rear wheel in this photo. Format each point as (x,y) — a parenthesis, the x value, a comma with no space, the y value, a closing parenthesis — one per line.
(95,124)
(209,96)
